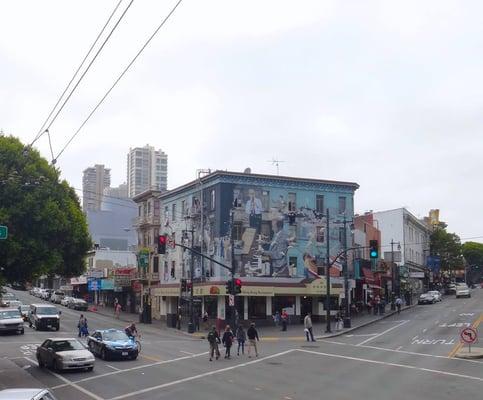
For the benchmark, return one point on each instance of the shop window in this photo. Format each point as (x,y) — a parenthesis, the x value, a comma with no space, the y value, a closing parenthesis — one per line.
(281,302)
(211,306)
(257,307)
(334,302)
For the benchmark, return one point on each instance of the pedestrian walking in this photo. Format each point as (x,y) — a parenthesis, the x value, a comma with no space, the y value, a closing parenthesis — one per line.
(178,319)
(82,326)
(197,318)
(117,310)
(276,318)
(284,320)
(376,302)
(241,337)
(398,304)
(339,322)
(252,335)
(214,340)
(308,328)
(227,340)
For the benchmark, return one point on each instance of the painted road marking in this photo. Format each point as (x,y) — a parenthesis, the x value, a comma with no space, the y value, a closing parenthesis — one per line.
(187,352)
(367,334)
(382,333)
(29,349)
(467,314)
(455,325)
(114,368)
(69,383)
(131,369)
(417,340)
(399,348)
(407,366)
(155,359)
(194,377)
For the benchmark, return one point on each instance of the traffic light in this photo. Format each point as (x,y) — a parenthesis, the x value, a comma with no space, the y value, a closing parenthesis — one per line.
(237,286)
(162,239)
(183,285)
(229,287)
(373,249)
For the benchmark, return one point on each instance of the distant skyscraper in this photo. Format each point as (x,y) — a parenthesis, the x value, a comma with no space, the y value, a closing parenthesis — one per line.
(115,196)
(147,168)
(94,180)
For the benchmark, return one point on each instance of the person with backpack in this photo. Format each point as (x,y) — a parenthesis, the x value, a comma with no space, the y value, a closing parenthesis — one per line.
(241,337)
(398,304)
(227,340)
(214,340)
(82,325)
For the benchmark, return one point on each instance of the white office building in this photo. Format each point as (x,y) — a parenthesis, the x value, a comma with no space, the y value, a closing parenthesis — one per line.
(94,181)
(147,169)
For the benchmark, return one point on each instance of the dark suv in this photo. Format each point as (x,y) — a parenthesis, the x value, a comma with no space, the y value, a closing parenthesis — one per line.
(44,316)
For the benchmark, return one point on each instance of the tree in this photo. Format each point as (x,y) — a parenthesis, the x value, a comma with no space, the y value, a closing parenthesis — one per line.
(448,247)
(473,253)
(47,230)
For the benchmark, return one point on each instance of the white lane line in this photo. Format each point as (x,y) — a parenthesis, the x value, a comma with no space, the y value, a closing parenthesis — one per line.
(70,383)
(132,369)
(401,351)
(382,333)
(435,371)
(367,334)
(187,352)
(191,378)
(114,368)
(424,330)
(399,348)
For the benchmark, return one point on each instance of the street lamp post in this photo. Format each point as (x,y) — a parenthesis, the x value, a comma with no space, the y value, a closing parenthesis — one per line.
(327,274)
(396,284)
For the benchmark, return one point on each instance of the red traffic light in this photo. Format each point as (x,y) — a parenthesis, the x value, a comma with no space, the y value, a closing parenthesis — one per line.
(238,282)
(162,239)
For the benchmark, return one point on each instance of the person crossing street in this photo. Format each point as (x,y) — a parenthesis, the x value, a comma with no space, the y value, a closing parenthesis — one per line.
(214,340)
(308,328)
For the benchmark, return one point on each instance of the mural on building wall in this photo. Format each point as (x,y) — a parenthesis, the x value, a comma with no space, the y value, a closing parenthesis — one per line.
(271,232)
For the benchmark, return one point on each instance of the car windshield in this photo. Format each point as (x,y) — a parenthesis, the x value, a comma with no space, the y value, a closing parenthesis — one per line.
(47,310)
(113,336)
(10,314)
(66,345)
(24,308)
(434,292)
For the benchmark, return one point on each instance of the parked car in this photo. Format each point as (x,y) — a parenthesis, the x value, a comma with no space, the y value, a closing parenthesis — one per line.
(437,295)
(66,300)
(11,321)
(427,298)
(112,343)
(46,293)
(44,316)
(63,354)
(14,303)
(26,394)
(450,289)
(5,299)
(78,304)
(462,290)
(57,296)
(24,311)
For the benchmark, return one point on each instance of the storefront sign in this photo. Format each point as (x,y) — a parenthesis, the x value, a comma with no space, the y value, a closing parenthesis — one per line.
(96,274)
(66,288)
(107,284)
(257,291)
(136,286)
(418,275)
(93,285)
(81,280)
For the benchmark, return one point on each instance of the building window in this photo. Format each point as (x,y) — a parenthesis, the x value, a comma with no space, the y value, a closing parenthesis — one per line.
(257,307)
(156,264)
(183,208)
(173,269)
(166,213)
(213,199)
(320,234)
(237,230)
(319,203)
(173,212)
(140,211)
(292,202)
(342,205)
(265,199)
(149,208)
(292,261)
(341,235)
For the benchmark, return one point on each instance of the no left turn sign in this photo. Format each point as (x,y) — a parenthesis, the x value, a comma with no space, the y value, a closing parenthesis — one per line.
(469,335)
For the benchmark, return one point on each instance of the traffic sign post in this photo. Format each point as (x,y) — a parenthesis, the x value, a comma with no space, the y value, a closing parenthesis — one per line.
(3,232)
(469,336)
(231,300)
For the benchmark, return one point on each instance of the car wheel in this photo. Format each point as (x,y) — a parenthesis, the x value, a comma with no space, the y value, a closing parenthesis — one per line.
(104,354)
(22,332)
(91,347)
(57,328)
(90,369)
(40,362)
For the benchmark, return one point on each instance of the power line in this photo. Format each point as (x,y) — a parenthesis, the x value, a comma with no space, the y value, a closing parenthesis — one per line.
(118,79)
(41,130)
(86,70)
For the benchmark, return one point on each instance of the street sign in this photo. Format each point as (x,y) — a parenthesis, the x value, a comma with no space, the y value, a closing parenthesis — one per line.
(469,335)
(231,300)
(3,232)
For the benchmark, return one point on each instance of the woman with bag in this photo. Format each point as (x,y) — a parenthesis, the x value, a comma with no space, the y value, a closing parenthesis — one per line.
(227,340)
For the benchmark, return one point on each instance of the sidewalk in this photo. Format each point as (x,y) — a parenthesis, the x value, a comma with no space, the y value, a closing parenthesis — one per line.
(272,333)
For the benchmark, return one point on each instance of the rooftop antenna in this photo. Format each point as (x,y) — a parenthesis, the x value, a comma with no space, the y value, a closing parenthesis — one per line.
(276,162)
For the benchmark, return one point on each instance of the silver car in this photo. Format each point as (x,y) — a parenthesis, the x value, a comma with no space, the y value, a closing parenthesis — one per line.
(26,394)
(63,354)
(11,320)
(462,291)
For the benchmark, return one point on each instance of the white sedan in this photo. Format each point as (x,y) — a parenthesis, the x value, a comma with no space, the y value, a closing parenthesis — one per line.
(437,295)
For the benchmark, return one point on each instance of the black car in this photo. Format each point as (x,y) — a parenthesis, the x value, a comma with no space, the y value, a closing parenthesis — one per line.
(112,343)
(78,304)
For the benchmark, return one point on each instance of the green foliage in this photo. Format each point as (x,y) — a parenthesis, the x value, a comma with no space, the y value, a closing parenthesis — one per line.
(473,253)
(448,247)
(47,230)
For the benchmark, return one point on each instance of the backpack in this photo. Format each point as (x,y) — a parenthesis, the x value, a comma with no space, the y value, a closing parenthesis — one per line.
(211,337)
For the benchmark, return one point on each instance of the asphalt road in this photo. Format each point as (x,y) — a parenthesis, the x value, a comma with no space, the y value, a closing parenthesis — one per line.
(406,356)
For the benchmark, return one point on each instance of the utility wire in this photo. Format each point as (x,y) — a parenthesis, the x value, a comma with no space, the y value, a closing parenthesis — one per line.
(118,79)
(42,130)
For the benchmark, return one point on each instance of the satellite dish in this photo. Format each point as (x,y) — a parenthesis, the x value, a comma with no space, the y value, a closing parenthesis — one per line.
(247,171)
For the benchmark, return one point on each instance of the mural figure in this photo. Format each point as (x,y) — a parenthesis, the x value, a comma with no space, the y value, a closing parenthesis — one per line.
(254,209)
(278,251)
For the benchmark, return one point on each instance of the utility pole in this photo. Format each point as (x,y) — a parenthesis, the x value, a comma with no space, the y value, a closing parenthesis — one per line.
(347,316)
(233,264)
(393,270)
(191,325)
(327,273)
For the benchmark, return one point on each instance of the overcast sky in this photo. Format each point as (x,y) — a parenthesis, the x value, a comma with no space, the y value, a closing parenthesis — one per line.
(387,94)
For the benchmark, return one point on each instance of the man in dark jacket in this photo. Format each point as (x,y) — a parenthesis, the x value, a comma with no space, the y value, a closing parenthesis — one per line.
(227,340)
(252,339)
(213,340)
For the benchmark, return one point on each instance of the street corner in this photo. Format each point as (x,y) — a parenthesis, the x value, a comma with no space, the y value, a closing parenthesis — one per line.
(467,354)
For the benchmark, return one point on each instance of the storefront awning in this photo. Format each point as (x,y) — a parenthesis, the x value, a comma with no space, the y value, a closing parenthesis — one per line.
(368,275)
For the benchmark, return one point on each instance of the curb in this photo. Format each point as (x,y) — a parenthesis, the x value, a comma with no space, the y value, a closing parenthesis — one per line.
(469,356)
(390,314)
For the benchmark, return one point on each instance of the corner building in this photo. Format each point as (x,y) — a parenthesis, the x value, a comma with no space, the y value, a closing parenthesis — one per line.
(279,245)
